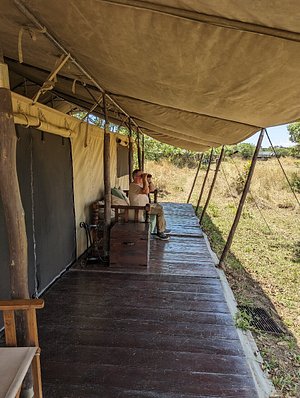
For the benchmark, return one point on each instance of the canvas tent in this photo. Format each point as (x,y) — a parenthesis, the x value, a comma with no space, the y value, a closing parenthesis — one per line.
(194,74)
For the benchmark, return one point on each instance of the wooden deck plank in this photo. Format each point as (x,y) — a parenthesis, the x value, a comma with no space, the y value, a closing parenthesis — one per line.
(153,294)
(94,338)
(150,359)
(163,331)
(144,379)
(96,391)
(147,314)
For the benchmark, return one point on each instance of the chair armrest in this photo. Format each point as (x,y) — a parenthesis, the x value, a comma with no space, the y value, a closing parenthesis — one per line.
(21,304)
(154,193)
(126,209)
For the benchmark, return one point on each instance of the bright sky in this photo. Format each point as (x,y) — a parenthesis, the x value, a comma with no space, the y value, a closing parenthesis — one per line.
(278,135)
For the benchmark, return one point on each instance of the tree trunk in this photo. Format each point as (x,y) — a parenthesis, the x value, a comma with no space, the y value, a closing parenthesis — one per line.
(11,198)
(13,213)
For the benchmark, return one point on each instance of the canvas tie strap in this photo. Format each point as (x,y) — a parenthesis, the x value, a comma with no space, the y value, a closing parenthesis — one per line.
(50,82)
(32,33)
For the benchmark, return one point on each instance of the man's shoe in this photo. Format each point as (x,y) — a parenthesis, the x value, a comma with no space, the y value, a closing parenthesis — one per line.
(162,236)
(167,231)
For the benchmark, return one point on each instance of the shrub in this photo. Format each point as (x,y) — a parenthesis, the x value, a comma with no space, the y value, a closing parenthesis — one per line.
(241,179)
(295,182)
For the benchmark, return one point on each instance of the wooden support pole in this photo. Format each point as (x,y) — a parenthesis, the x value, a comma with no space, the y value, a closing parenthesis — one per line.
(139,150)
(242,200)
(143,152)
(130,154)
(10,193)
(13,211)
(212,184)
(195,179)
(107,183)
(205,179)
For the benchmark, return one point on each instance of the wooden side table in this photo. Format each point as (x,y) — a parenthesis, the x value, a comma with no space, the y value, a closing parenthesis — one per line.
(14,364)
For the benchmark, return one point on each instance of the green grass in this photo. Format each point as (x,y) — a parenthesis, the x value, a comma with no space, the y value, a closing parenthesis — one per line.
(243,320)
(263,271)
(270,258)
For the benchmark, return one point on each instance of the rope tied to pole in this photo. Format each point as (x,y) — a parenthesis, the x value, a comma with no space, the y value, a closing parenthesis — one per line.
(282,168)
(195,179)
(242,200)
(252,197)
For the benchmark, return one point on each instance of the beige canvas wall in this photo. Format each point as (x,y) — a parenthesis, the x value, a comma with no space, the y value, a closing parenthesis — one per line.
(87,179)
(88,168)
(87,155)
(122,182)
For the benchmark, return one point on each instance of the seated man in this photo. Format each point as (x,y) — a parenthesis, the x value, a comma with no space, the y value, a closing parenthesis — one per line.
(138,196)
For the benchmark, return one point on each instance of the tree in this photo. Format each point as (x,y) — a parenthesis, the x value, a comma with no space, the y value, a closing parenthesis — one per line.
(294,130)
(246,150)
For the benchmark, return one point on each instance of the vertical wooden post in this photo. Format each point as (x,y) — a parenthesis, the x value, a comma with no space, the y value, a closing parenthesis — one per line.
(212,184)
(10,193)
(242,200)
(195,179)
(130,153)
(143,152)
(205,179)
(139,150)
(107,183)
(13,209)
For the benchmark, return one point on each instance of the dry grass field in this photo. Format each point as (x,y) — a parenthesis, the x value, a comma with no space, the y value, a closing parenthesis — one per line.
(263,267)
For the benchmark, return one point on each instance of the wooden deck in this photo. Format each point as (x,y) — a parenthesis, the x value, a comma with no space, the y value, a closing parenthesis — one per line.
(161,332)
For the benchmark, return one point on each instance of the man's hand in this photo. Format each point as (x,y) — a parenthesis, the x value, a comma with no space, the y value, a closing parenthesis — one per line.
(145,189)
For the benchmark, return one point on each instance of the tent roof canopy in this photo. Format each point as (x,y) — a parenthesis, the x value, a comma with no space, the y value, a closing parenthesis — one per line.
(193,74)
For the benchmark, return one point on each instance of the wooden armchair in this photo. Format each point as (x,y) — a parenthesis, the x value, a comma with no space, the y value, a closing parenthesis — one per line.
(29,306)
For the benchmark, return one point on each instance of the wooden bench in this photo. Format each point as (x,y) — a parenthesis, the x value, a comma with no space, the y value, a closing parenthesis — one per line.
(23,361)
(129,237)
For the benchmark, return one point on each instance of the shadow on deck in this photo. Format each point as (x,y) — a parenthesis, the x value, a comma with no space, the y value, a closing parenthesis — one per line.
(165,331)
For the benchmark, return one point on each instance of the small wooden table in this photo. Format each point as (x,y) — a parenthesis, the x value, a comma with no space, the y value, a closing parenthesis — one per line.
(130,244)
(14,364)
